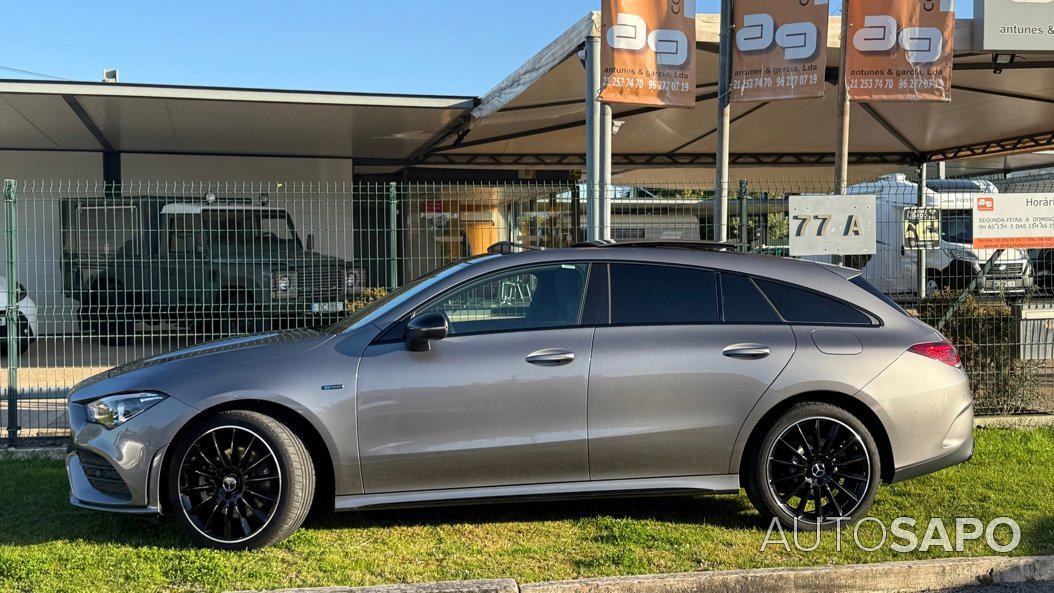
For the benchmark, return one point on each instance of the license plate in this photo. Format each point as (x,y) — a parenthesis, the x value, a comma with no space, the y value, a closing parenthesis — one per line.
(327,307)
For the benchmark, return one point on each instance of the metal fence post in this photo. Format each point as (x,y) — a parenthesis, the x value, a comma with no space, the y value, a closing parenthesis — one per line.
(393,236)
(744,238)
(11,313)
(921,256)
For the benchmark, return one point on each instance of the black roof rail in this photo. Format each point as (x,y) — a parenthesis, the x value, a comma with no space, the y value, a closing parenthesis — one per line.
(663,243)
(507,247)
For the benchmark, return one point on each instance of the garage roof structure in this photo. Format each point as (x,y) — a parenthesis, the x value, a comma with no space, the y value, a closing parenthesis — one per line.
(534,119)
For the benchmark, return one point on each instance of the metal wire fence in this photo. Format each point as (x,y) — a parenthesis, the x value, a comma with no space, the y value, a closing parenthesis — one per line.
(103,274)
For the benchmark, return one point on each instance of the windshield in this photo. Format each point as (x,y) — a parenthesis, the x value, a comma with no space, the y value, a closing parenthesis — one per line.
(957,226)
(249,226)
(381,306)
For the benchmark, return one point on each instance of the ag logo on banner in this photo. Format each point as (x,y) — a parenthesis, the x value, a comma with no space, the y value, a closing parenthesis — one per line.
(900,50)
(648,52)
(780,49)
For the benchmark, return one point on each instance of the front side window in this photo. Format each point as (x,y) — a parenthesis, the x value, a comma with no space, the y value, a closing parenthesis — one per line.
(184,233)
(957,226)
(802,306)
(650,294)
(523,299)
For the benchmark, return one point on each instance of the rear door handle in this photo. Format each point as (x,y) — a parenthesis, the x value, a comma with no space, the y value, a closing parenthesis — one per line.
(748,351)
(550,357)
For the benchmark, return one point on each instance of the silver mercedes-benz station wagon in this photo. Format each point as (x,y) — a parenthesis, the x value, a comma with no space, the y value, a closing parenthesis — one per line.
(596,370)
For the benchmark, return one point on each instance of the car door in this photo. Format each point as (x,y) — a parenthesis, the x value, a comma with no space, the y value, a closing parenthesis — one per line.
(675,373)
(500,401)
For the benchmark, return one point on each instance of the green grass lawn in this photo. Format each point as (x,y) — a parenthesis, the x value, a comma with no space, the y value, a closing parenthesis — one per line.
(46,545)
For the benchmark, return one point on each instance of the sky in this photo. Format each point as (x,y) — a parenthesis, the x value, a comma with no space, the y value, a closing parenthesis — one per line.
(444,47)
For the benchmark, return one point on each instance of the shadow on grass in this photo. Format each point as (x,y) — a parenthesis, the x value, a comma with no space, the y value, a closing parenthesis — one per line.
(35,509)
(729,511)
(1037,539)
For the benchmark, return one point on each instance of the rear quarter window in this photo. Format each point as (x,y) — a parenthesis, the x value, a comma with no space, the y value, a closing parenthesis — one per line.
(798,305)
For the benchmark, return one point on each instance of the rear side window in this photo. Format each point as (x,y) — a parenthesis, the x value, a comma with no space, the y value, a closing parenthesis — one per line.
(741,302)
(859,281)
(642,293)
(802,306)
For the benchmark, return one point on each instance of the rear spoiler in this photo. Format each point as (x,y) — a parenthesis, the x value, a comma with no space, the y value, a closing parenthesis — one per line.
(844,272)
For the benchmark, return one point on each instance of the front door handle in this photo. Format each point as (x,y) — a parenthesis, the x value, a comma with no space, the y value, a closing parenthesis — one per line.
(748,351)
(550,357)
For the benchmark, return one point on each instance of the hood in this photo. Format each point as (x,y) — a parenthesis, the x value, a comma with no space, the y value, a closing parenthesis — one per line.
(138,374)
(287,253)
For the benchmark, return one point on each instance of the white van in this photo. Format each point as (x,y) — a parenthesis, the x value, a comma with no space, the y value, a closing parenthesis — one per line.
(894,270)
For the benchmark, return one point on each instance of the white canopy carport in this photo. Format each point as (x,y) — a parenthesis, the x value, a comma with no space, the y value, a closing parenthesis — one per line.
(373,130)
(535,118)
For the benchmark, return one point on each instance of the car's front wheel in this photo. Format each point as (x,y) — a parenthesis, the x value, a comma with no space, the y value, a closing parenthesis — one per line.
(240,480)
(817,464)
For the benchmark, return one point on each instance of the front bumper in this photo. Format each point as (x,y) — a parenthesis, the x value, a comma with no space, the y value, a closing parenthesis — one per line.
(130,455)
(997,285)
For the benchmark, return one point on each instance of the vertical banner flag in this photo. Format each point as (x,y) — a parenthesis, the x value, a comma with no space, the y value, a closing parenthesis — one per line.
(780,49)
(900,50)
(648,52)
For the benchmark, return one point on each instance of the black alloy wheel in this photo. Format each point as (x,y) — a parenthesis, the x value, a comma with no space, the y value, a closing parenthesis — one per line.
(241,480)
(229,491)
(818,465)
(819,469)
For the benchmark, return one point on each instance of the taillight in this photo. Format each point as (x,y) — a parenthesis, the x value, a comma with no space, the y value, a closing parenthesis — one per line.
(942,351)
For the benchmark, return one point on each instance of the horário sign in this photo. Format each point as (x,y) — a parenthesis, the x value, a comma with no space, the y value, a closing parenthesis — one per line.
(1013,221)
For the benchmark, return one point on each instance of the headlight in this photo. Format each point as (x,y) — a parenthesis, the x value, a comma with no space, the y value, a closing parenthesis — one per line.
(115,410)
(20,292)
(283,284)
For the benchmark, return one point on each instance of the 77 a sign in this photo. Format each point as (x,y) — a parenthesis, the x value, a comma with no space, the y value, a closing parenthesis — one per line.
(832,225)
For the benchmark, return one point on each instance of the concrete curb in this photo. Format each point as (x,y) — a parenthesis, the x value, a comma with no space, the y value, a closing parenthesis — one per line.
(913,576)
(1022,421)
(885,577)
(479,586)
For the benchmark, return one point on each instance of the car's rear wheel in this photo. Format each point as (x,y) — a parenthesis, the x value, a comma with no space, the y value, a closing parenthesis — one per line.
(240,480)
(817,465)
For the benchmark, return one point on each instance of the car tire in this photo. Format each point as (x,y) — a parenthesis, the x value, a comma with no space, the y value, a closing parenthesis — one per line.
(814,449)
(240,480)
(107,315)
(25,336)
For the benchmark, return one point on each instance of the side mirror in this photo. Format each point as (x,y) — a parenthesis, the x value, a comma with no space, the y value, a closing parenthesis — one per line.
(421,330)
(311,242)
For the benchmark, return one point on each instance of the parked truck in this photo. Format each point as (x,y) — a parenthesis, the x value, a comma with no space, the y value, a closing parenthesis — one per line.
(955,263)
(209,267)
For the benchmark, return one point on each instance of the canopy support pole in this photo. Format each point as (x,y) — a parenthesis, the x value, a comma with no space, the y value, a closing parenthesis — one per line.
(605,171)
(593,125)
(841,155)
(724,111)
